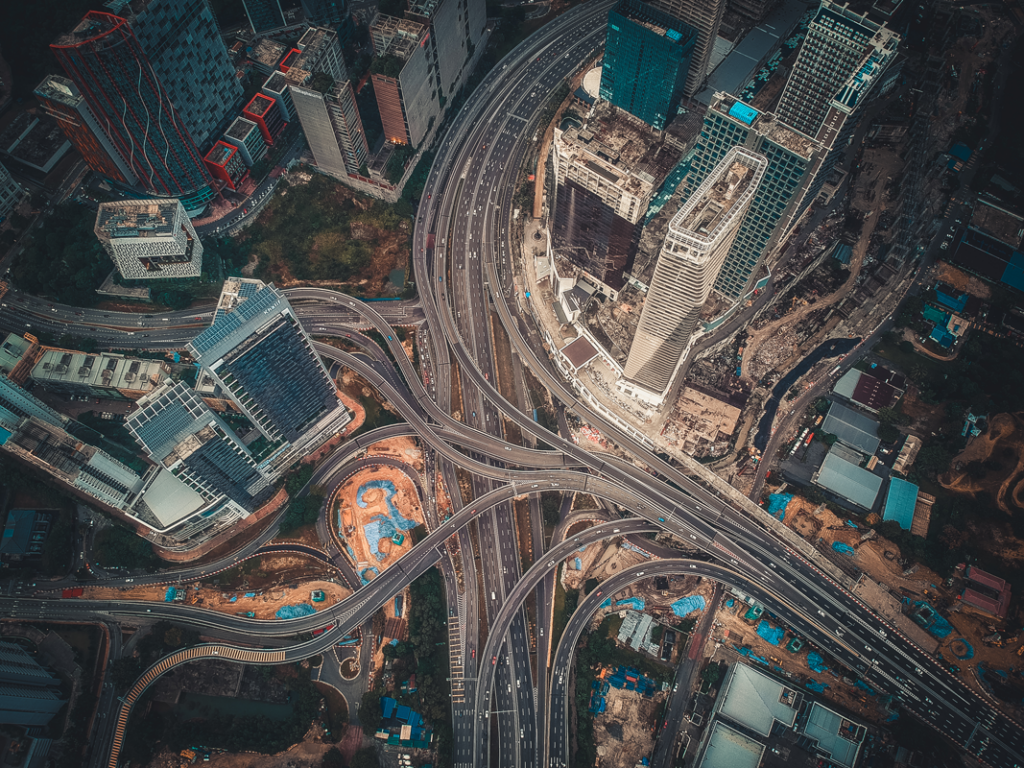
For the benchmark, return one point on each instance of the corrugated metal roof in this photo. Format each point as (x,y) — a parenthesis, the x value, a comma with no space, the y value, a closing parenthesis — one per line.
(849,481)
(755,700)
(900,502)
(728,748)
(853,428)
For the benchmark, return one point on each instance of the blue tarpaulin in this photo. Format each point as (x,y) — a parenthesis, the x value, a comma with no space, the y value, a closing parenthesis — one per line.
(816,687)
(578,563)
(688,605)
(769,633)
(295,611)
(815,662)
(234,599)
(777,503)
(962,649)
(606,604)
(636,603)
(250,594)
(843,549)
(169,597)
(865,687)
(746,652)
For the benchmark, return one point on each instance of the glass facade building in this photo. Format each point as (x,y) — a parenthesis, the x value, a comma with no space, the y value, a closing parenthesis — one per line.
(263,15)
(646,61)
(182,41)
(105,61)
(790,182)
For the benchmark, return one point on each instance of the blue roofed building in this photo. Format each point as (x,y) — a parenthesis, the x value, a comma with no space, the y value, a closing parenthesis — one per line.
(900,502)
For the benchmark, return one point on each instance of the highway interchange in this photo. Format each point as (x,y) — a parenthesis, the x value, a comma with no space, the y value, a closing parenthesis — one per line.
(462,251)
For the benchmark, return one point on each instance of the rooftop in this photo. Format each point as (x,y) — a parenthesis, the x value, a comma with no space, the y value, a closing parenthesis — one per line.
(59,89)
(137,218)
(728,748)
(766,124)
(396,37)
(853,428)
(244,306)
(579,352)
(276,83)
(900,503)
(704,215)
(1004,226)
(839,737)
(92,25)
(756,701)
(241,128)
(103,370)
(220,153)
(35,139)
(848,481)
(267,52)
(11,350)
(259,105)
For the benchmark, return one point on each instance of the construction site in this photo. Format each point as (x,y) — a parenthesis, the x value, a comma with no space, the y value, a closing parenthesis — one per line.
(373,513)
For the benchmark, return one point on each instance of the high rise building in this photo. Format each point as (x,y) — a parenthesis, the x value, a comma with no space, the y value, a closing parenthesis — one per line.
(106,62)
(180,433)
(646,60)
(182,41)
(456,32)
(276,88)
(325,13)
(149,239)
(263,15)
(840,44)
(324,102)
(265,112)
(28,693)
(330,119)
(791,182)
(246,135)
(258,354)
(60,99)
(225,163)
(607,172)
(705,16)
(406,92)
(698,240)
(111,376)
(10,193)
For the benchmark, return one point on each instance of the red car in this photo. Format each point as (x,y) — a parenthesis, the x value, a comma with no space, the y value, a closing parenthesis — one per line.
(494,660)
(473,655)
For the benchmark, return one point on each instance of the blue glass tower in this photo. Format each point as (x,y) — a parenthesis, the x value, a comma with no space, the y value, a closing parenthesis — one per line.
(647,58)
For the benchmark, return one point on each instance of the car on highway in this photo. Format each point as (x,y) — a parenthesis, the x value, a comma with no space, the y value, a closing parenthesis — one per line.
(473,654)
(494,660)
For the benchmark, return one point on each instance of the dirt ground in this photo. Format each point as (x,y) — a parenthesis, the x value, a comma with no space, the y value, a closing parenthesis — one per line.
(1000,451)
(305,754)
(264,604)
(962,281)
(926,418)
(355,517)
(402,448)
(599,560)
(623,731)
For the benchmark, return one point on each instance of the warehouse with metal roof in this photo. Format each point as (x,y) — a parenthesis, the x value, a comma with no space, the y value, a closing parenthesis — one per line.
(900,503)
(848,481)
(852,428)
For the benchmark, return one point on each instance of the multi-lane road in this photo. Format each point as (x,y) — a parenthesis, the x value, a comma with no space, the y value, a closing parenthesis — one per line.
(462,250)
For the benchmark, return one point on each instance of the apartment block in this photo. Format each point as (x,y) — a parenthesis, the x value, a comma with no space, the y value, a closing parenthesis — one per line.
(61,99)
(266,55)
(456,30)
(276,87)
(646,61)
(403,80)
(327,111)
(325,13)
(248,138)
(149,239)
(28,692)
(607,172)
(840,44)
(698,241)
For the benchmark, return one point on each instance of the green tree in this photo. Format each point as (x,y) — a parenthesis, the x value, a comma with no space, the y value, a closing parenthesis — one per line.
(712,674)
(332,759)
(365,758)
(370,715)
(124,672)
